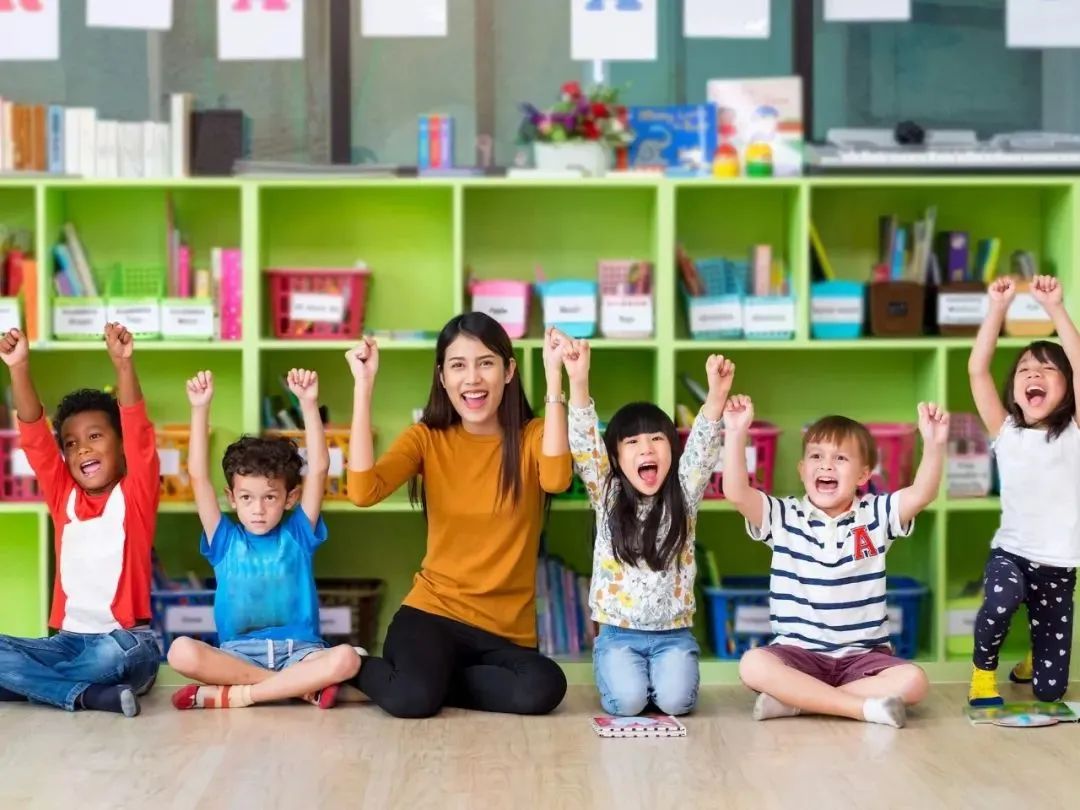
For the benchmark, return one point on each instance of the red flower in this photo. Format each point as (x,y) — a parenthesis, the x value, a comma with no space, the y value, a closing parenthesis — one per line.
(572,89)
(598,110)
(592,132)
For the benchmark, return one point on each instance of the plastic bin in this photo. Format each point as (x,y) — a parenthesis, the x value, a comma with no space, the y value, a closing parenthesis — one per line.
(896,308)
(183,611)
(570,306)
(17,479)
(1026,316)
(960,307)
(760,459)
(769,317)
(318,303)
(718,314)
(506,301)
(970,471)
(837,309)
(739,614)
(172,447)
(337,442)
(624,313)
(896,455)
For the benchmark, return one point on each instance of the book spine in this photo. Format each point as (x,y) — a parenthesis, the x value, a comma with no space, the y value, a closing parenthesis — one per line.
(446,141)
(30,298)
(183,272)
(56,139)
(423,143)
(231,294)
(435,137)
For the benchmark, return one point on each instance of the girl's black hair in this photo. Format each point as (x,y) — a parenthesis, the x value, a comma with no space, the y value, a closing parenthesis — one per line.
(514,411)
(637,539)
(1058,420)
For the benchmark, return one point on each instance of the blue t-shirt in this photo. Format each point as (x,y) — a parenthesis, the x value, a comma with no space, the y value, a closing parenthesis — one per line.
(265,585)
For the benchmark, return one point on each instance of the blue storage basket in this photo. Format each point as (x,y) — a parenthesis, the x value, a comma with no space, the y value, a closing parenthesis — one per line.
(725,284)
(160,603)
(583,327)
(759,330)
(740,593)
(846,292)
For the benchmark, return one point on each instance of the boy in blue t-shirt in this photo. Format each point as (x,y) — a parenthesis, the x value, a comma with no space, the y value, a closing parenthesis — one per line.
(266,608)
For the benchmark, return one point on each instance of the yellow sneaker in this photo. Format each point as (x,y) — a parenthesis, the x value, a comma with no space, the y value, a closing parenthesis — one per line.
(1023,672)
(983,690)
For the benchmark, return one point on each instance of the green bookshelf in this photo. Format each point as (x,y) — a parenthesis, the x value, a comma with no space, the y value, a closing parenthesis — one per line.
(423,238)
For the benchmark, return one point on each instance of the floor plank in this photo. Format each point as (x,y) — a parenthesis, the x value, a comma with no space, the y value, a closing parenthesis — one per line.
(355,756)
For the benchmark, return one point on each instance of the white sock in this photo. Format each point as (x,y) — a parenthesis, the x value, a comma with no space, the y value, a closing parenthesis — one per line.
(889,711)
(767,707)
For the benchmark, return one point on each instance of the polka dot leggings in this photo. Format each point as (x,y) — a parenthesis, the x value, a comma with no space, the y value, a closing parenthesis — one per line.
(1010,580)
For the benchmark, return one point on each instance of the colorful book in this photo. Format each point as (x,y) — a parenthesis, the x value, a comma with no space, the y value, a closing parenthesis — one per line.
(953,255)
(675,136)
(56,139)
(1021,713)
(656,725)
(821,267)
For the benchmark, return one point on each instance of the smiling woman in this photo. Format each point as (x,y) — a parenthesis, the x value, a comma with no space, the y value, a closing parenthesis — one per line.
(466,635)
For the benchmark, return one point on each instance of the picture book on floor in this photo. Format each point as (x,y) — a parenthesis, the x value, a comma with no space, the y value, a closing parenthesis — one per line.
(1065,712)
(654,725)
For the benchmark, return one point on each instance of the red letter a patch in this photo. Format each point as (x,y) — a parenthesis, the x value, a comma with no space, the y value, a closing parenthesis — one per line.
(864,546)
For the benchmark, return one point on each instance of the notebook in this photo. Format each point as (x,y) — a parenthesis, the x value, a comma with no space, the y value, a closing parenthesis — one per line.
(1014,713)
(657,725)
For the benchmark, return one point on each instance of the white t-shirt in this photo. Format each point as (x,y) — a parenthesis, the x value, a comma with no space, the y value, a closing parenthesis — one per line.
(1040,494)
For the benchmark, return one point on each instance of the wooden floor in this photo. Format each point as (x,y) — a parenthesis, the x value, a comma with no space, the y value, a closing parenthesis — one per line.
(355,756)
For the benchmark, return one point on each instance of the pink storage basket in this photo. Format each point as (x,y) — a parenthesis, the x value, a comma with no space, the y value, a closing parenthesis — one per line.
(17,480)
(763,438)
(896,455)
(506,301)
(318,303)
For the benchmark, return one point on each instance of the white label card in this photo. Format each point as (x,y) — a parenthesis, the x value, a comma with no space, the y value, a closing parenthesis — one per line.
(335,621)
(144,317)
(569,309)
(962,309)
(76,320)
(260,29)
(169,460)
(29,30)
(337,462)
(20,465)
(836,309)
(182,619)
(961,621)
(317,307)
(867,10)
(613,30)
(752,620)
(716,316)
(506,309)
(403,18)
(726,19)
(1025,308)
(626,315)
(770,317)
(10,314)
(188,320)
(150,15)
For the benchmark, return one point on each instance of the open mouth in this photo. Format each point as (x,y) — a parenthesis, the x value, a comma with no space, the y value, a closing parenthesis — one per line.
(474,400)
(1036,395)
(826,485)
(648,472)
(89,468)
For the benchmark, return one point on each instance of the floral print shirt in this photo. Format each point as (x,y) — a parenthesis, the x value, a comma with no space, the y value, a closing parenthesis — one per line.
(636,596)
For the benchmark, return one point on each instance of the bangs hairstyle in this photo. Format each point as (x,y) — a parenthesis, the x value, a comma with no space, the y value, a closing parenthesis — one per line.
(837,430)
(1044,352)
(634,539)
(514,412)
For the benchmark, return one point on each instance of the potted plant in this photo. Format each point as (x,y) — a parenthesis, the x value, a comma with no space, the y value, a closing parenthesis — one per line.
(580,132)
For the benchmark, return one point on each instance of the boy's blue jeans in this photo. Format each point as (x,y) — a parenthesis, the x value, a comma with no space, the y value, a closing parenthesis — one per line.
(634,668)
(56,670)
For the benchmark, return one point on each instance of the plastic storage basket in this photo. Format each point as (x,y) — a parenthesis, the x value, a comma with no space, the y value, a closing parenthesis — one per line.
(318,303)
(17,480)
(337,442)
(760,459)
(837,309)
(739,614)
(506,301)
(570,306)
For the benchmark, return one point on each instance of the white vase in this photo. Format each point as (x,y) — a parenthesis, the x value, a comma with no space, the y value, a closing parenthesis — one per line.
(589,157)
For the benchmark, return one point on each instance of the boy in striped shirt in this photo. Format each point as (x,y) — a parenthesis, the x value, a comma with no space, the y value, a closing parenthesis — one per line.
(830,653)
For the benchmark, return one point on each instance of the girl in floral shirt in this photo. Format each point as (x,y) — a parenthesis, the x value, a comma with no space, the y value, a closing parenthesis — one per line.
(642,591)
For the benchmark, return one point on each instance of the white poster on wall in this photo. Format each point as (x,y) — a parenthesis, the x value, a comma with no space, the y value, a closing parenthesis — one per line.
(29,30)
(260,29)
(1042,23)
(150,15)
(867,10)
(613,30)
(403,18)
(726,19)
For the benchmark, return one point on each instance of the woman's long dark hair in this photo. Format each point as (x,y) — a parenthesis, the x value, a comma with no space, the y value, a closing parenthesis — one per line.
(514,411)
(635,539)
(1045,352)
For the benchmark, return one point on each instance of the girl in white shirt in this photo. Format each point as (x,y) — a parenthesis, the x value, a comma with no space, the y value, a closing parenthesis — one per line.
(1036,550)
